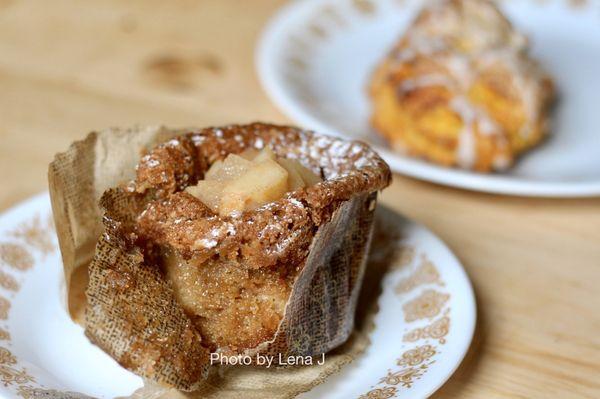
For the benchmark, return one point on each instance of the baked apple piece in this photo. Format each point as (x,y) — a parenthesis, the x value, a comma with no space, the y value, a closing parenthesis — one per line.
(210,192)
(250,179)
(232,167)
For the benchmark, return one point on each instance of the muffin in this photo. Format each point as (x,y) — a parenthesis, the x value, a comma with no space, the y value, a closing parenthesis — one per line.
(237,293)
(459,89)
(238,240)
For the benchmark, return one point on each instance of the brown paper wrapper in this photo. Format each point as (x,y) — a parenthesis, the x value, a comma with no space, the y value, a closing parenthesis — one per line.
(76,179)
(131,312)
(288,382)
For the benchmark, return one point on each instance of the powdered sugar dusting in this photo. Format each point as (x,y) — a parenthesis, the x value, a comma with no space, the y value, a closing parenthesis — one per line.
(348,169)
(206,243)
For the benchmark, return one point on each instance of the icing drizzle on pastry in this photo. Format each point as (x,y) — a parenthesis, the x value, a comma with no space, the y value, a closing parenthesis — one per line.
(465,39)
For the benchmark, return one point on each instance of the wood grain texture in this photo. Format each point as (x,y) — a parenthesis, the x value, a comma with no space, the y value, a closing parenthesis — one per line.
(68,67)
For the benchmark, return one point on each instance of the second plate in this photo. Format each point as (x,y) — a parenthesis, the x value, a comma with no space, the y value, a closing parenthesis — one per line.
(316,56)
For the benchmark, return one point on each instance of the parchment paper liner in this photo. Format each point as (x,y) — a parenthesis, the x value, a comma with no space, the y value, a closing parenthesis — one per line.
(159,342)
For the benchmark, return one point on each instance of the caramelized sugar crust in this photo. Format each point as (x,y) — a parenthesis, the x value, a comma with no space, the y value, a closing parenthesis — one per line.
(234,274)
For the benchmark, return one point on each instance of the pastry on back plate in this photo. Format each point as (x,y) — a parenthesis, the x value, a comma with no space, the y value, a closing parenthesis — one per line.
(459,89)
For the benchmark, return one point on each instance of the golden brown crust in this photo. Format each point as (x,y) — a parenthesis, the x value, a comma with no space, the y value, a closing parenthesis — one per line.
(233,275)
(285,226)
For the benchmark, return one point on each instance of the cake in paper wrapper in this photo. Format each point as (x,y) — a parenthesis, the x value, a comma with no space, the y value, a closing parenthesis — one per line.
(172,281)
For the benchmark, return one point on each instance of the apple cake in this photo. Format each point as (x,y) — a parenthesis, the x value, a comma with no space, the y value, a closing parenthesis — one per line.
(459,89)
(230,215)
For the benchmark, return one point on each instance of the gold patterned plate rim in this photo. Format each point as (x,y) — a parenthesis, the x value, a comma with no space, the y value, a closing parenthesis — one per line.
(314,59)
(425,322)
(423,327)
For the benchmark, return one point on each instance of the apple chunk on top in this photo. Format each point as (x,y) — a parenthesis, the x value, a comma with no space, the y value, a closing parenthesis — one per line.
(248,180)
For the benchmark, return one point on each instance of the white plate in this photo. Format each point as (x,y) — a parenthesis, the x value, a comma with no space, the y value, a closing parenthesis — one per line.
(422,330)
(316,56)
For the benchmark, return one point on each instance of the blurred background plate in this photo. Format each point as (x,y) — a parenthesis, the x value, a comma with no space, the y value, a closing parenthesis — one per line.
(315,59)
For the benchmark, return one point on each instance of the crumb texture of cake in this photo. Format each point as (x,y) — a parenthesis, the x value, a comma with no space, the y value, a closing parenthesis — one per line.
(459,89)
(232,213)
(233,307)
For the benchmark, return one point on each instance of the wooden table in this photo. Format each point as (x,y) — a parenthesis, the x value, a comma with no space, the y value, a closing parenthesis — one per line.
(68,67)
